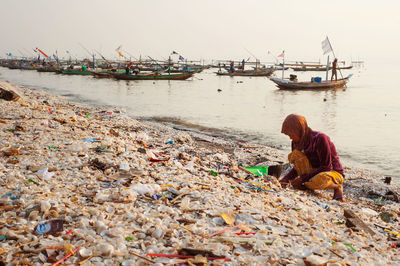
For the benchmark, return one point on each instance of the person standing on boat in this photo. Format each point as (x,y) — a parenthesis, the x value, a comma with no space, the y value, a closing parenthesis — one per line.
(334,69)
(315,161)
(128,68)
(232,68)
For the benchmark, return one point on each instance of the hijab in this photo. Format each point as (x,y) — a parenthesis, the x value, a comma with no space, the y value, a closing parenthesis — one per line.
(297,125)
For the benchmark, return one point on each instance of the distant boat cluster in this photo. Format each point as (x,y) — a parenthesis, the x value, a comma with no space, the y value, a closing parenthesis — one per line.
(152,69)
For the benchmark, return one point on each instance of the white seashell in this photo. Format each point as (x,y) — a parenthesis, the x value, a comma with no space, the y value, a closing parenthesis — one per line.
(101,197)
(100,226)
(158,233)
(316,260)
(110,209)
(128,263)
(140,235)
(368,212)
(83,221)
(185,204)
(85,252)
(33,215)
(45,205)
(146,188)
(105,249)
(124,166)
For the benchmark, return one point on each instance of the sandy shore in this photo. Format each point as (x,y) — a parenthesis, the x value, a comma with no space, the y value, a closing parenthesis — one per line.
(125,189)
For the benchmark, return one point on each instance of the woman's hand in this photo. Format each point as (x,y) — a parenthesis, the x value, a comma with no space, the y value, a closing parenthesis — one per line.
(298,183)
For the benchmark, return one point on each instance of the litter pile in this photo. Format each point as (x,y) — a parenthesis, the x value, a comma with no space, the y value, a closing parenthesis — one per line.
(90,186)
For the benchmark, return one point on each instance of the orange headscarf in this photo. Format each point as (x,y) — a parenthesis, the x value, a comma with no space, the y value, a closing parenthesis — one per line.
(297,125)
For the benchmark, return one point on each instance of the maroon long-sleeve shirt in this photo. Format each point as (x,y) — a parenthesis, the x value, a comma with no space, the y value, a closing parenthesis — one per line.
(322,155)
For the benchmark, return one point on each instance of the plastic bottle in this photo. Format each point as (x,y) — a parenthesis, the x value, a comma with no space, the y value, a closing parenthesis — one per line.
(50,227)
(124,166)
(146,188)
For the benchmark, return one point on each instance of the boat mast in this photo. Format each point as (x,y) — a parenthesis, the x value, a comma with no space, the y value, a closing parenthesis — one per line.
(283,64)
(327,47)
(327,68)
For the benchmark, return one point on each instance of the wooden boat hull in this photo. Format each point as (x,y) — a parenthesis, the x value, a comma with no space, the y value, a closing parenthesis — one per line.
(75,72)
(255,73)
(102,74)
(153,77)
(47,69)
(285,84)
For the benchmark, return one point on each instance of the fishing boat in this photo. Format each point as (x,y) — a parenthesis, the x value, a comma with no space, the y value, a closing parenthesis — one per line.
(106,73)
(47,69)
(248,73)
(153,76)
(75,72)
(103,74)
(293,84)
(316,83)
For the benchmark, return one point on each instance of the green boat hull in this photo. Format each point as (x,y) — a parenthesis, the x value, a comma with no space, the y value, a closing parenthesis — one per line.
(75,72)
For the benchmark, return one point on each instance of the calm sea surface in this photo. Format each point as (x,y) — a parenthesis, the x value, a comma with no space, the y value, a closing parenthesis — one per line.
(363,120)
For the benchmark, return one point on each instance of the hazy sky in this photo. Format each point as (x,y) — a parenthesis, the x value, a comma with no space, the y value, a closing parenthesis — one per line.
(208,29)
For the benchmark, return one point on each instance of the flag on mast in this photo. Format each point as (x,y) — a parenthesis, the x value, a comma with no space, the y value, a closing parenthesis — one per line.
(326,46)
(282,54)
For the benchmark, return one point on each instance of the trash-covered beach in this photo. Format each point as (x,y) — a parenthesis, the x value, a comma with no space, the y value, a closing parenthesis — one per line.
(91,186)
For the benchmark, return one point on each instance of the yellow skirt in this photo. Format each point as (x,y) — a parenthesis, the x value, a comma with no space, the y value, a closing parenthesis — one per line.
(319,181)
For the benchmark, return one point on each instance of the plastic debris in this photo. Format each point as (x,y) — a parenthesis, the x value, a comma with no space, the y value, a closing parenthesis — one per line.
(10,193)
(146,188)
(50,227)
(213,173)
(350,246)
(66,257)
(229,218)
(258,170)
(89,140)
(30,180)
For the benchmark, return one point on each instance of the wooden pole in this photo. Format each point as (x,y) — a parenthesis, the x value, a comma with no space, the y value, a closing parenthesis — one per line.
(333,52)
(283,65)
(327,68)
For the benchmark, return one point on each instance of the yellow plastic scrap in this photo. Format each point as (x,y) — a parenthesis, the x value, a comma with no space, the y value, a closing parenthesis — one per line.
(392,232)
(244,228)
(68,249)
(229,218)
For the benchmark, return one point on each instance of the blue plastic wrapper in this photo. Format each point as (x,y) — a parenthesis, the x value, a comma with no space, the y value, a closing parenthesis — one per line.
(156,197)
(89,139)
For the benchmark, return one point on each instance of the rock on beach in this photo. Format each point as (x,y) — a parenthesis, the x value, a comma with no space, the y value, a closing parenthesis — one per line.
(127,188)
